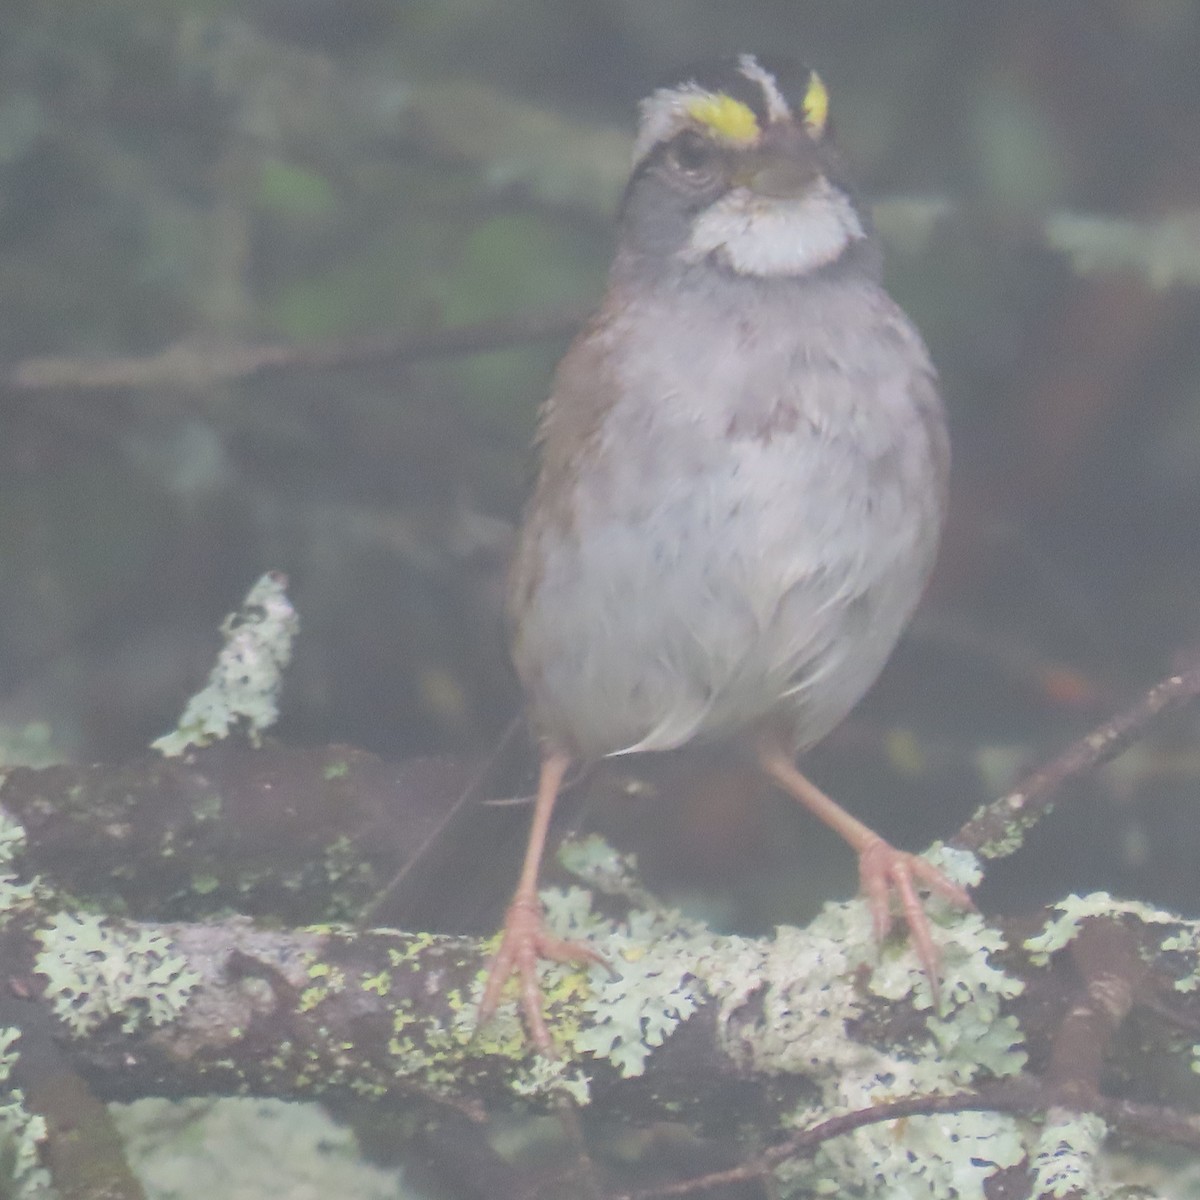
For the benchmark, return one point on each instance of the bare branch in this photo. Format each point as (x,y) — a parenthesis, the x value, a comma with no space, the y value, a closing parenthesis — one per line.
(998,829)
(195,365)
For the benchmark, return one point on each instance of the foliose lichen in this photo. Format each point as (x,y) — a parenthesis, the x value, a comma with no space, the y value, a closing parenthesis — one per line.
(809,999)
(788,1004)
(802,983)
(1067,1157)
(98,968)
(629,1014)
(1186,941)
(1073,910)
(16,894)
(21,1131)
(242,691)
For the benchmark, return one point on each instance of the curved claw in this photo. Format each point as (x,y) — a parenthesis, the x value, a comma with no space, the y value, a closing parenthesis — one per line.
(524,942)
(884,870)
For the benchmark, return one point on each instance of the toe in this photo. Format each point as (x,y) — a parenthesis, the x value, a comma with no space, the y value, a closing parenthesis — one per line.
(874,872)
(920,932)
(525,940)
(886,873)
(499,970)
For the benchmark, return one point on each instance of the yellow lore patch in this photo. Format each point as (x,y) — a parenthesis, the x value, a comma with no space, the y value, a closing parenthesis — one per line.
(816,104)
(729,119)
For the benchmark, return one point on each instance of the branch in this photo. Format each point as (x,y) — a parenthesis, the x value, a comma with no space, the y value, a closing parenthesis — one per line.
(1023,1096)
(232,1008)
(998,829)
(298,834)
(693,1023)
(196,365)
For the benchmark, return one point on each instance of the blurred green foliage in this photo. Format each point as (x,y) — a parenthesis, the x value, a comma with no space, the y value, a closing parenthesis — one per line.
(218,175)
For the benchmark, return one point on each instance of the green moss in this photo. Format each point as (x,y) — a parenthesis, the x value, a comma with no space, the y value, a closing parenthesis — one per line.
(288,190)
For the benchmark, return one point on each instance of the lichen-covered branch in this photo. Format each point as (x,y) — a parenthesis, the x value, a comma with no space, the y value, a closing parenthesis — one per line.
(231,1007)
(823,1027)
(692,1018)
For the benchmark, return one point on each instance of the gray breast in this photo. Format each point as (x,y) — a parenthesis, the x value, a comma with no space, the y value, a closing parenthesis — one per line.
(752,522)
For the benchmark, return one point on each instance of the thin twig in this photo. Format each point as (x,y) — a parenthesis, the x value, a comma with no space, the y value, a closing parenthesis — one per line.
(998,829)
(1023,1095)
(197,364)
(1020,1095)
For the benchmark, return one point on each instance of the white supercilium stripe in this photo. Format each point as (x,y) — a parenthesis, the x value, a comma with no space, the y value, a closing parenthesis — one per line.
(664,114)
(777,105)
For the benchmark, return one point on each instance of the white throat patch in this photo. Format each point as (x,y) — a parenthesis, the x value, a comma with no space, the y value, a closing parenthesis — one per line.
(768,236)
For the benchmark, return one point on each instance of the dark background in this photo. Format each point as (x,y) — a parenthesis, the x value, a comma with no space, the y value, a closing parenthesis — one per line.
(213,175)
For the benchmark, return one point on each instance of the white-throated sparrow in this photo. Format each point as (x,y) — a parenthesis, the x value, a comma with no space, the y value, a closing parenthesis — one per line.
(743,476)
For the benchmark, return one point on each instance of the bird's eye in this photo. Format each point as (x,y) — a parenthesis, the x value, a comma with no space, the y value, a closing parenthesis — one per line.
(694,155)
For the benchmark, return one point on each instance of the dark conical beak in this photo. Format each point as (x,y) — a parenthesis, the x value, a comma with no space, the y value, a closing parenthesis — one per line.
(783,170)
(785,180)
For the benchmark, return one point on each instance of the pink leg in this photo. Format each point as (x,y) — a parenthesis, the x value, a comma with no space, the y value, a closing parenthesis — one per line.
(525,938)
(882,869)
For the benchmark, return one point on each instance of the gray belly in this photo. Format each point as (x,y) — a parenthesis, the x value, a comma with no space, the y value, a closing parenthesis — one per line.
(773,577)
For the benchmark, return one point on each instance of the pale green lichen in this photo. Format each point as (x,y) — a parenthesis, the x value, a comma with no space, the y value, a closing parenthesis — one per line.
(593,861)
(542,1076)
(629,1014)
(1067,1157)
(16,894)
(99,968)
(809,997)
(242,691)
(802,984)
(21,1131)
(785,1004)
(665,965)
(1186,941)
(1073,910)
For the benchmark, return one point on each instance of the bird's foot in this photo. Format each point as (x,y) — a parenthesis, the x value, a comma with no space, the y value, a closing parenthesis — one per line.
(526,940)
(883,871)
